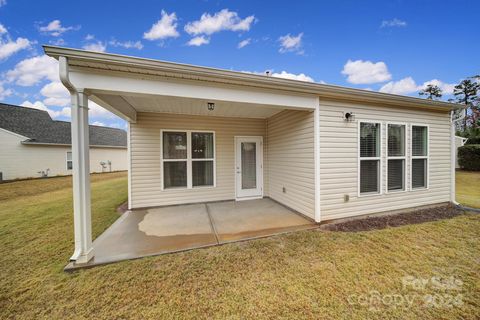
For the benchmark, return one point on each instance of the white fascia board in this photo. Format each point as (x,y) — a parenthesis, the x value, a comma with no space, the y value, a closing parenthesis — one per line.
(138,86)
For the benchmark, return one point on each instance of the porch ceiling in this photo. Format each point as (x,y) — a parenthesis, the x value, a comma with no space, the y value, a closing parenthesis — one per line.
(169,104)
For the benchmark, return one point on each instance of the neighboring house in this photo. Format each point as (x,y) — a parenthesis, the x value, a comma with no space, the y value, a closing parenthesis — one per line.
(34,145)
(200,134)
(459,141)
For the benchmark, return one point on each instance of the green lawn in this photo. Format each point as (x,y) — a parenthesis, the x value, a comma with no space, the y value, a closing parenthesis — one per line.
(310,274)
(468,188)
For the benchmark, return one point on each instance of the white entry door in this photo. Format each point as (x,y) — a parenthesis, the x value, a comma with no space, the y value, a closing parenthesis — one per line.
(249,167)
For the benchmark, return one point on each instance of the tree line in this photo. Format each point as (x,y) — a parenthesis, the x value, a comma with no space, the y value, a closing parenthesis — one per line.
(467,92)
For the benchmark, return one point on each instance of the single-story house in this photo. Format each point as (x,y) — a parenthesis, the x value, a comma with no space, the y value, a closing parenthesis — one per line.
(199,134)
(34,145)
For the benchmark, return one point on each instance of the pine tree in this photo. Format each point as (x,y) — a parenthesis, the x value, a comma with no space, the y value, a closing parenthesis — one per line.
(431,91)
(466,93)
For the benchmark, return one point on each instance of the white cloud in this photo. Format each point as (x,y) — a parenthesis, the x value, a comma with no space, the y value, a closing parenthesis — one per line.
(366,72)
(3,29)
(98,123)
(10,47)
(3,2)
(292,76)
(289,43)
(4,92)
(65,112)
(55,28)
(285,75)
(244,43)
(404,86)
(95,46)
(220,21)
(31,71)
(164,28)
(198,41)
(126,44)
(55,94)
(393,23)
(408,85)
(89,37)
(58,42)
(95,111)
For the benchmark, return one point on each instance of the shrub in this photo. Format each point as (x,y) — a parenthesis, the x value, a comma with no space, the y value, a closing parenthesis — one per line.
(473,140)
(469,157)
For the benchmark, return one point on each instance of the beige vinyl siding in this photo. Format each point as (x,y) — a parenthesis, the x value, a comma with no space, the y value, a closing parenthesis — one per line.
(339,160)
(19,161)
(146,189)
(290,160)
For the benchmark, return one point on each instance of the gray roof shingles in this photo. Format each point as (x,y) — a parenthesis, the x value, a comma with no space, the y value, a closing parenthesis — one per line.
(38,127)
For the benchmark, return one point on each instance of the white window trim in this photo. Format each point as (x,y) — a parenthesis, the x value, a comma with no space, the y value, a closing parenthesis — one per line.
(380,158)
(188,160)
(404,158)
(67,161)
(427,157)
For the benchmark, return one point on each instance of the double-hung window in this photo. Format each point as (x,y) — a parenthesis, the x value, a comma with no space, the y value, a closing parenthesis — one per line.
(69,160)
(396,157)
(370,157)
(419,157)
(188,159)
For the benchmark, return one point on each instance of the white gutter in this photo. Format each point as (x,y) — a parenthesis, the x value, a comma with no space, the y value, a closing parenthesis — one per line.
(99,146)
(453,155)
(85,59)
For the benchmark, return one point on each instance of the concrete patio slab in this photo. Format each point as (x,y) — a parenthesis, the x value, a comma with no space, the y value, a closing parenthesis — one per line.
(155,231)
(239,220)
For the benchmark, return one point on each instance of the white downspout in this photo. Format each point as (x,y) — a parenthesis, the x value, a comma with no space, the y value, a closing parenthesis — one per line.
(453,155)
(81,167)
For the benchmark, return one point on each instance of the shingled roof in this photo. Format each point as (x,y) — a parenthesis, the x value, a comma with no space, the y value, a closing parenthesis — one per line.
(39,128)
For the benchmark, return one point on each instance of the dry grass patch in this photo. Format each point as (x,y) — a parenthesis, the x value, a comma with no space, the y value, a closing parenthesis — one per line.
(303,275)
(468,188)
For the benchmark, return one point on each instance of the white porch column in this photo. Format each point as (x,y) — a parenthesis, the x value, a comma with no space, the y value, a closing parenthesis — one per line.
(81,179)
(316,150)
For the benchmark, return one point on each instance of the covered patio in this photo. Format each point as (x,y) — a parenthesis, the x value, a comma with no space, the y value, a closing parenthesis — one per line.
(195,135)
(154,231)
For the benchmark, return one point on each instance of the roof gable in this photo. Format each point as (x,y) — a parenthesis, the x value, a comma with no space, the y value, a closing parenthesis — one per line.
(39,127)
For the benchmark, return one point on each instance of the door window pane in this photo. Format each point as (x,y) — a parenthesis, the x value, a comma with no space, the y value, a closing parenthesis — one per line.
(249,165)
(369,139)
(419,173)
(202,145)
(175,174)
(396,140)
(202,173)
(396,169)
(369,176)
(174,145)
(419,141)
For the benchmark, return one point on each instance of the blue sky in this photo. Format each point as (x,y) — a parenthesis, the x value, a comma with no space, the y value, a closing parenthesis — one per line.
(390,46)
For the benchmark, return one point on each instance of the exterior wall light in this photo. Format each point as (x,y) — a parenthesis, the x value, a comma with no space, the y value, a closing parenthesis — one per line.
(348,116)
(210,106)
